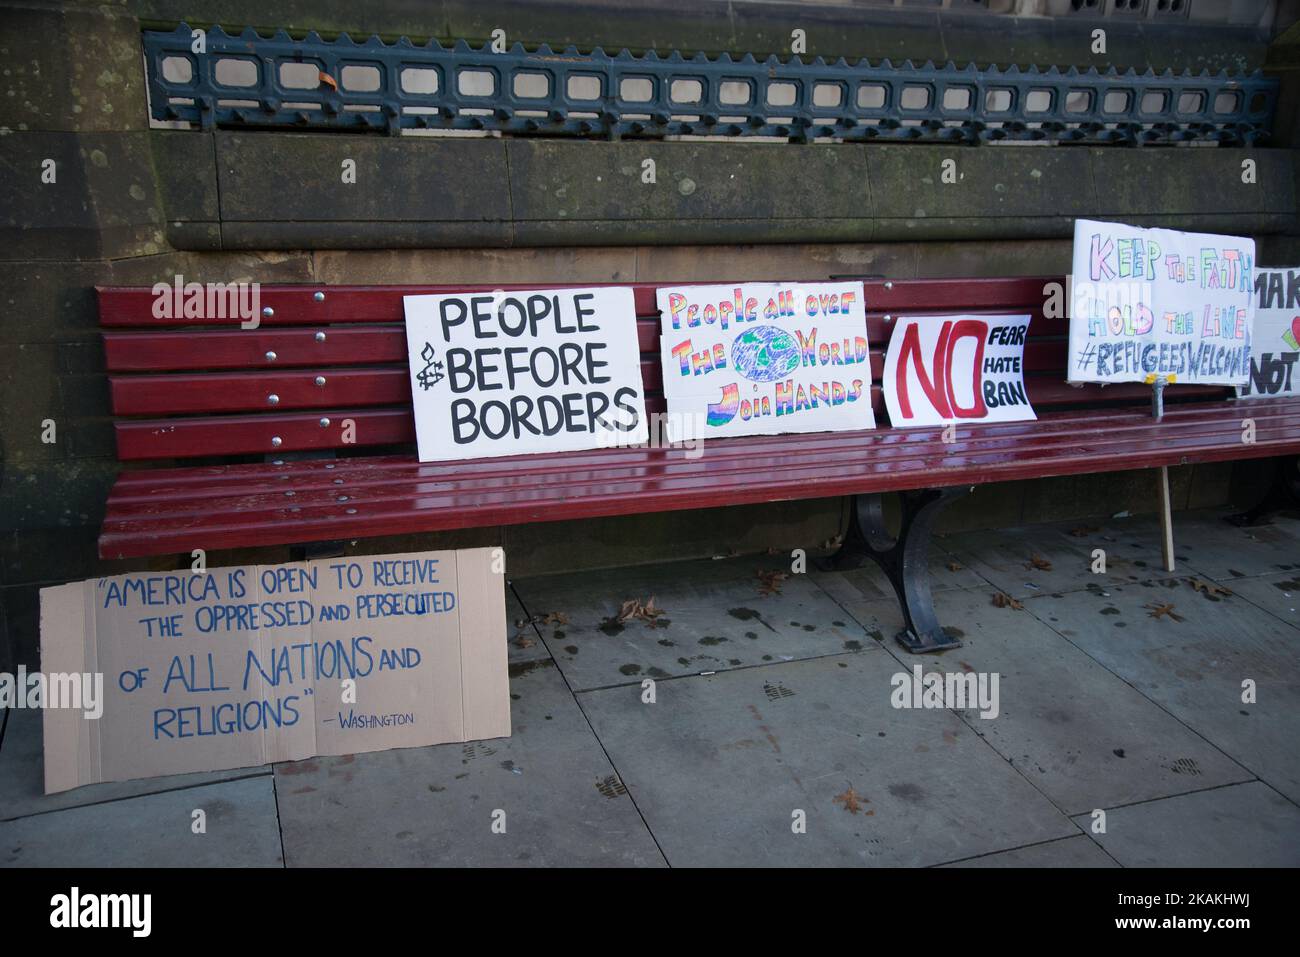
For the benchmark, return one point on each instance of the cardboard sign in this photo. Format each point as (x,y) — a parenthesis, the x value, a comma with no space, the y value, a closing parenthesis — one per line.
(547,370)
(1276,344)
(238,667)
(1158,302)
(942,369)
(761,358)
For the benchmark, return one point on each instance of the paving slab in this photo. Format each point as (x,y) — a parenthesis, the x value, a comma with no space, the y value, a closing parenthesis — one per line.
(1047,559)
(1195,667)
(564,804)
(1069,852)
(720,764)
(714,618)
(1245,825)
(22,775)
(153,830)
(1277,594)
(1079,733)
(1224,552)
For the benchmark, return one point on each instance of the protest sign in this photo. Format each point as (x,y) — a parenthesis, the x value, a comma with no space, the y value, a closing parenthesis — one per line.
(546,370)
(761,358)
(237,667)
(1276,342)
(942,369)
(1159,302)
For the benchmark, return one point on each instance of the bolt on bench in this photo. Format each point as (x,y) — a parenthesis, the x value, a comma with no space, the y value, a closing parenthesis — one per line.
(210,420)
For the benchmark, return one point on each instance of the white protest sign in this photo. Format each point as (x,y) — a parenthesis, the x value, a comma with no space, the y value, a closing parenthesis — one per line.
(547,370)
(1159,302)
(761,358)
(942,369)
(238,667)
(1276,343)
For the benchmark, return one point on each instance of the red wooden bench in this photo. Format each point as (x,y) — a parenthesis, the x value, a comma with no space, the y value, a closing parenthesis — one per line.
(210,415)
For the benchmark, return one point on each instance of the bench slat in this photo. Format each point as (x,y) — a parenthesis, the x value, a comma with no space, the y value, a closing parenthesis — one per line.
(253,434)
(250,391)
(423,507)
(220,349)
(133,307)
(318,482)
(180,394)
(246,349)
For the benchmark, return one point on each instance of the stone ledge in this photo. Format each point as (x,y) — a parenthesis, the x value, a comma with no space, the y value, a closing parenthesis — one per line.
(284,191)
(132,194)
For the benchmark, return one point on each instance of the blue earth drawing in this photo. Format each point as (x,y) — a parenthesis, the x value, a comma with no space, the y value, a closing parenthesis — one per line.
(765,354)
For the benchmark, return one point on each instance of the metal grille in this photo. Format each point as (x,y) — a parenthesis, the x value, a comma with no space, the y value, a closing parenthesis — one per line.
(256,81)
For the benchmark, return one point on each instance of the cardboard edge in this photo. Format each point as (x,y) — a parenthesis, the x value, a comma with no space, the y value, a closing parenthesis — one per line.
(485,679)
(66,736)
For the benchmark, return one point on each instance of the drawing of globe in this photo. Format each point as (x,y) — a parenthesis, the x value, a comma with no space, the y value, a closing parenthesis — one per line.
(764,354)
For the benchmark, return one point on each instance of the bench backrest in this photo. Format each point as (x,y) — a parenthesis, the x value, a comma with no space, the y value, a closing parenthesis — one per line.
(326,355)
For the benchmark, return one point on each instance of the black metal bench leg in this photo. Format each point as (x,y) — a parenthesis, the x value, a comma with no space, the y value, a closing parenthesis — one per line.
(1283,495)
(904,560)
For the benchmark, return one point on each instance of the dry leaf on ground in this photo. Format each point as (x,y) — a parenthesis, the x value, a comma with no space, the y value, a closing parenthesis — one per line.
(851,800)
(769,582)
(1157,611)
(550,618)
(1003,600)
(1209,588)
(1039,562)
(635,609)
